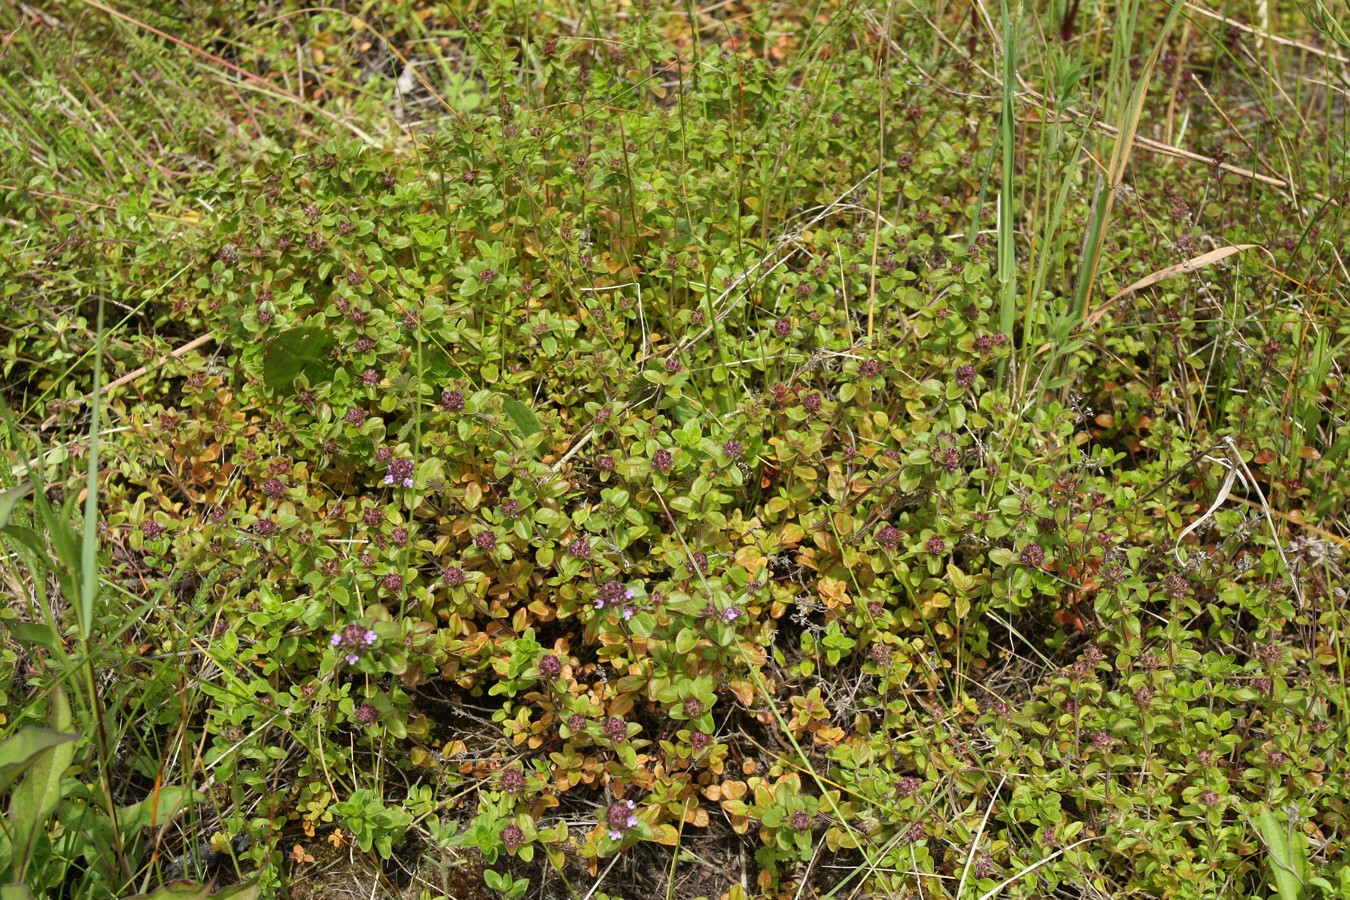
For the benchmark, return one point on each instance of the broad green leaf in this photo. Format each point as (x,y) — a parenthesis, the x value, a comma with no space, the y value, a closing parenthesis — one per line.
(10,499)
(154,810)
(15,892)
(1288,859)
(527,423)
(299,350)
(187,890)
(19,751)
(39,791)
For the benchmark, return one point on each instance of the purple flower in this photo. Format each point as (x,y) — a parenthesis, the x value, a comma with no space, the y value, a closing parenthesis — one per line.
(621,816)
(399,472)
(365,714)
(151,529)
(393,582)
(612,595)
(453,576)
(800,821)
(485,541)
(888,536)
(733,449)
(512,837)
(354,639)
(693,708)
(616,730)
(274,487)
(672,365)
(550,666)
(605,463)
(1033,554)
(452,400)
(812,403)
(265,528)
(730,614)
(370,377)
(663,460)
(698,740)
(513,780)
(869,368)
(965,376)
(697,563)
(936,545)
(355,416)
(373,517)
(580,548)
(782,327)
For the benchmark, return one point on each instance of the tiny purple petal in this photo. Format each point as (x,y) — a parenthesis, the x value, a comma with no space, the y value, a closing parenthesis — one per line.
(407,482)
(615,835)
(352,659)
(370,637)
(389,479)
(337,639)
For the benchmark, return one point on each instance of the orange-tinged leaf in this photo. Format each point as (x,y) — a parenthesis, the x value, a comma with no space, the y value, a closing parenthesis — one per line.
(299,855)
(744,691)
(666,834)
(733,790)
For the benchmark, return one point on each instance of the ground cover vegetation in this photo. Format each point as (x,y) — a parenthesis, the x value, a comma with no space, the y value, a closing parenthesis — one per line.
(670,450)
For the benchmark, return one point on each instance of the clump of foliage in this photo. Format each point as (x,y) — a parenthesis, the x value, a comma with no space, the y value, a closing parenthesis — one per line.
(641,454)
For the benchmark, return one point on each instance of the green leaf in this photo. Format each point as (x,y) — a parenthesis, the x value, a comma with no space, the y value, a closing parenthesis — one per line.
(19,751)
(1288,859)
(685,641)
(10,499)
(40,790)
(15,892)
(155,809)
(299,350)
(187,890)
(527,423)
